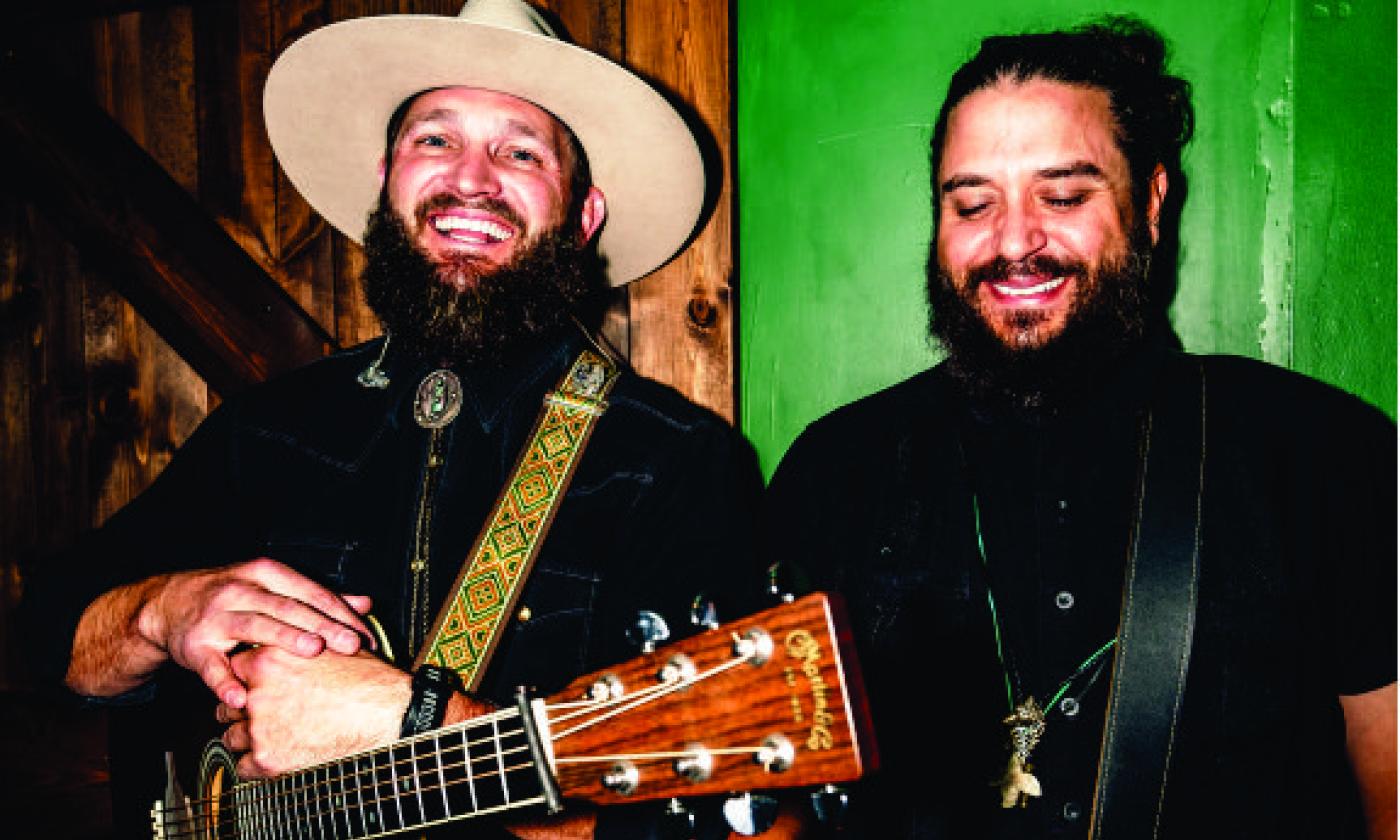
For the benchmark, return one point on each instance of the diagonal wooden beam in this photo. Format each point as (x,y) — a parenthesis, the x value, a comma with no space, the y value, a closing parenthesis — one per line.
(135,225)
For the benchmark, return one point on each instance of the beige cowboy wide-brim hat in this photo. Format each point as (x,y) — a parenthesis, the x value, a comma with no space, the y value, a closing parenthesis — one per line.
(329,97)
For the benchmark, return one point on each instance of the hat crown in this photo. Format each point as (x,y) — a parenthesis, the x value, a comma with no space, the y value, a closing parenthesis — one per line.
(506,14)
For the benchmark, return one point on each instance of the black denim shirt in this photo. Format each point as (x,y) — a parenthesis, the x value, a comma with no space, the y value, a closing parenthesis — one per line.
(1297,595)
(326,476)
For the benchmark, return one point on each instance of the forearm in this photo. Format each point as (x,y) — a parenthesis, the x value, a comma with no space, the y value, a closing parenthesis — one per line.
(1370,724)
(111,654)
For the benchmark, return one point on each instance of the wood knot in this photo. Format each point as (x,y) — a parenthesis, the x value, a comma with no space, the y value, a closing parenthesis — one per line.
(702,313)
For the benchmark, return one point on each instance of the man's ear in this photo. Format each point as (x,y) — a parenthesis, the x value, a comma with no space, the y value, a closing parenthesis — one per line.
(1156,196)
(595,210)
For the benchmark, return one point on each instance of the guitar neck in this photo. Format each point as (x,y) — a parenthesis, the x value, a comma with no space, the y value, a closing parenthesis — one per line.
(479,767)
(771,701)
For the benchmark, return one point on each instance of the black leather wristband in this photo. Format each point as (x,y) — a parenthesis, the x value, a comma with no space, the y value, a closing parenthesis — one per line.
(432,688)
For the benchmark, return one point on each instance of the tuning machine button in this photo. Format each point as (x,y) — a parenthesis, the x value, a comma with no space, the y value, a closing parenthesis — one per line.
(776,754)
(750,814)
(696,765)
(679,668)
(703,612)
(606,688)
(622,778)
(677,822)
(781,586)
(755,645)
(830,804)
(647,629)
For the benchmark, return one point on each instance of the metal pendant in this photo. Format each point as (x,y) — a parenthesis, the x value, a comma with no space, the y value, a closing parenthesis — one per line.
(588,379)
(439,399)
(1026,724)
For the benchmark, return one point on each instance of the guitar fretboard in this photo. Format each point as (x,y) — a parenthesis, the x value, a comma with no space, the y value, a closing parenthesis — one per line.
(463,771)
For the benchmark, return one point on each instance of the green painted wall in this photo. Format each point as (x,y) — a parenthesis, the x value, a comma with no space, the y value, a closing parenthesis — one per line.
(1288,236)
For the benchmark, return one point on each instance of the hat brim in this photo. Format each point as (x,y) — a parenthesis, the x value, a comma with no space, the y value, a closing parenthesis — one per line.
(330,94)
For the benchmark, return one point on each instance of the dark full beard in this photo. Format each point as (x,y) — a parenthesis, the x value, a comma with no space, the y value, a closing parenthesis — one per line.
(554,281)
(1039,373)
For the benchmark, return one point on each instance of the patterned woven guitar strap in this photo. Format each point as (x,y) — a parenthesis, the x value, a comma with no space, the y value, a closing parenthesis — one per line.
(469,625)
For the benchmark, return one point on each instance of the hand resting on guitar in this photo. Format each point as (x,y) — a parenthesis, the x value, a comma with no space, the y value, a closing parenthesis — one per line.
(302,711)
(198,618)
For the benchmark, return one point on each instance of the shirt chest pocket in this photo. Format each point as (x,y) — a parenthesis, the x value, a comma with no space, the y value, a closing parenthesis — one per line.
(549,632)
(326,561)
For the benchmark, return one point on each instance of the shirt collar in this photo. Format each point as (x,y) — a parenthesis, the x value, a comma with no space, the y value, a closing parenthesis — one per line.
(489,388)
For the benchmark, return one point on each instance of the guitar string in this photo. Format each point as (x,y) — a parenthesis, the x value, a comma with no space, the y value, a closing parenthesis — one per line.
(656,693)
(635,700)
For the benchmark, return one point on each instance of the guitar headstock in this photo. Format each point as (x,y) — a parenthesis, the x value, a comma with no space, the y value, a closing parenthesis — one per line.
(774,700)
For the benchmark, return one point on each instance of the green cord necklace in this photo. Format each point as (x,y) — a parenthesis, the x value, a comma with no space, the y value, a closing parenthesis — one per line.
(1026,722)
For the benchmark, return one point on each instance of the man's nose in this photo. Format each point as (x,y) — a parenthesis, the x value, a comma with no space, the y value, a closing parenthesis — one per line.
(1021,234)
(472,173)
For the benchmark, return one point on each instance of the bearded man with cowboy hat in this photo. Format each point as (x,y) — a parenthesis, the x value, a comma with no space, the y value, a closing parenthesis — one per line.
(500,179)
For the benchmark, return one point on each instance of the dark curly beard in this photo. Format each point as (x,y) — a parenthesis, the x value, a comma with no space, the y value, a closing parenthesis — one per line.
(552,282)
(1038,373)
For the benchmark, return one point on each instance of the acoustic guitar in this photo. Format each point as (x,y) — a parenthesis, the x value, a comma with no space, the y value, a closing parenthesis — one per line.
(771,701)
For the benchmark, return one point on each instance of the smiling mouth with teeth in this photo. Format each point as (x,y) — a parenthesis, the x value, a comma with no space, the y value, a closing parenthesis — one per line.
(471,230)
(1029,291)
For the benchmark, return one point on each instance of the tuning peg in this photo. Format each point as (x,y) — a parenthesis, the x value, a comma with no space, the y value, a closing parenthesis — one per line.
(703,612)
(677,822)
(830,804)
(781,586)
(647,629)
(748,814)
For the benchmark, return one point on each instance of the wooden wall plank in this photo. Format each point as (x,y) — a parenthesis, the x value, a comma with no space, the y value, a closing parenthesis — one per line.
(682,316)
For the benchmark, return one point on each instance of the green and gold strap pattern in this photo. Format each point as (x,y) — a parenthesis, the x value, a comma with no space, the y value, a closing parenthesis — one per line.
(469,625)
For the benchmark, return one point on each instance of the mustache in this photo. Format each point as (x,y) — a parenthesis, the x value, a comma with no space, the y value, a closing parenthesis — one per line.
(1001,269)
(448,201)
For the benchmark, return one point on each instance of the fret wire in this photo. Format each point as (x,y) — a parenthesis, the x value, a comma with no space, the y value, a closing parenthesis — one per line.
(274,797)
(417,778)
(471,772)
(360,796)
(329,799)
(292,791)
(304,822)
(442,777)
(345,803)
(500,761)
(394,775)
(374,791)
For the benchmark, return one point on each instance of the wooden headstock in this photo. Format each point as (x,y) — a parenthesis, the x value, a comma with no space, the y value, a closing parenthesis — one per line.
(774,700)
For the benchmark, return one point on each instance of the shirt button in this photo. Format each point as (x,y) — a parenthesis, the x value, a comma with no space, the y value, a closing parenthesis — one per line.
(1069,706)
(1072,812)
(524,614)
(1064,600)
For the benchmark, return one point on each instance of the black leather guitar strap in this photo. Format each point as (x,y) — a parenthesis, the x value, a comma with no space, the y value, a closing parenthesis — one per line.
(1159,611)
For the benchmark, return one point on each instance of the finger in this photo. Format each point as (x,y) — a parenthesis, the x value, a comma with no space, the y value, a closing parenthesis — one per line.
(224,713)
(238,738)
(284,581)
(247,768)
(273,623)
(214,670)
(361,604)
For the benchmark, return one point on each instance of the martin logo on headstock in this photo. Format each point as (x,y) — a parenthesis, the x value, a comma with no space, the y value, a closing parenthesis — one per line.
(772,701)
